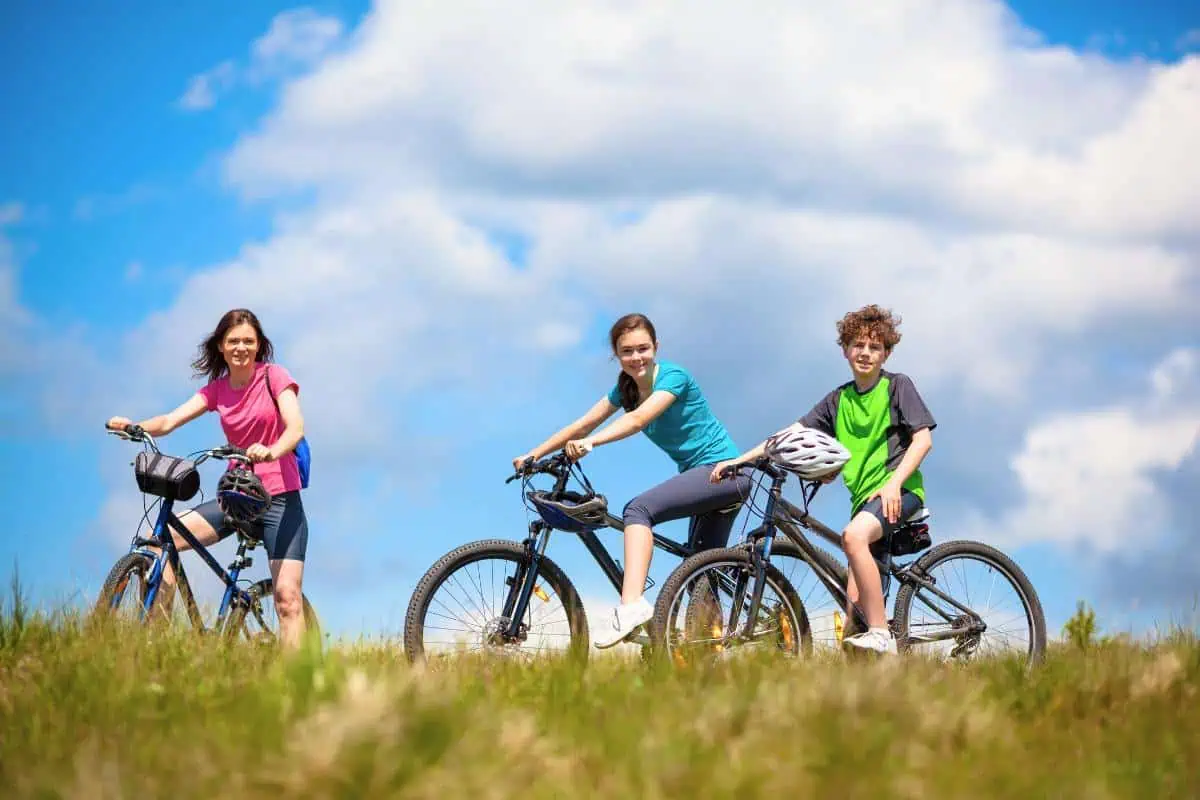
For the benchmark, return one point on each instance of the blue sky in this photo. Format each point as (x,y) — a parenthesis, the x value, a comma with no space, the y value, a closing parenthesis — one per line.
(478,237)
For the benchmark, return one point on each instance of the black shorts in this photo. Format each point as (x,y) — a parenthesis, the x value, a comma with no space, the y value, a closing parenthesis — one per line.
(909,505)
(283,528)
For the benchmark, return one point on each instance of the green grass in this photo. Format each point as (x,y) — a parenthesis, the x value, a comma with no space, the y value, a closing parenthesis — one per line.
(103,711)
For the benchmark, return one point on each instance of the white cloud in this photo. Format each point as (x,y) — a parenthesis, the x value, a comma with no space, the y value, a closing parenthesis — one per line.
(956,112)
(203,89)
(1088,477)
(11,213)
(295,39)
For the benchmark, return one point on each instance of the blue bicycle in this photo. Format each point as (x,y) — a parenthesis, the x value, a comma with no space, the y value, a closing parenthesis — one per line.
(138,575)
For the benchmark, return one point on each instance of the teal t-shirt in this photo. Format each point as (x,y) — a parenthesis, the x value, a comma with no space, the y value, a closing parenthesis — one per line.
(687,431)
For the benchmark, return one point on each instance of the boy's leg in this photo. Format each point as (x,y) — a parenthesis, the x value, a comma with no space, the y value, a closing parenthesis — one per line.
(864,585)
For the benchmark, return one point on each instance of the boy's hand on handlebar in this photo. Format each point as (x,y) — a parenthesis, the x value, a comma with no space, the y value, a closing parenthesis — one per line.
(520,463)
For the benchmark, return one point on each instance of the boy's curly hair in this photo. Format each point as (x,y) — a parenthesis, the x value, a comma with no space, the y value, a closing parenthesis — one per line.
(871,321)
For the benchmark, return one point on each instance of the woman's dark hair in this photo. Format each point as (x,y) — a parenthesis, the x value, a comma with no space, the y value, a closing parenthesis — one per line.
(626,385)
(211,363)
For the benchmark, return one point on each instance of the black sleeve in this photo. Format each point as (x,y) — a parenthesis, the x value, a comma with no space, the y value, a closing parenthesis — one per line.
(823,415)
(914,414)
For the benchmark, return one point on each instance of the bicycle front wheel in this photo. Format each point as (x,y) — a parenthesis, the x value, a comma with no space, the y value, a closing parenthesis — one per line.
(694,619)
(459,606)
(123,595)
(1001,614)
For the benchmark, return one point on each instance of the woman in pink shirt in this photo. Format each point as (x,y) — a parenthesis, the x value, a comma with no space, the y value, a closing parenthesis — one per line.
(236,359)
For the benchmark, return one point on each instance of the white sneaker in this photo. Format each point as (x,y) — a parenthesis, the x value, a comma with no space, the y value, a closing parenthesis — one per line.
(875,640)
(626,619)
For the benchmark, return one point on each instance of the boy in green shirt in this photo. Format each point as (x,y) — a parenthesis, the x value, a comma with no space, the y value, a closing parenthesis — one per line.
(880,418)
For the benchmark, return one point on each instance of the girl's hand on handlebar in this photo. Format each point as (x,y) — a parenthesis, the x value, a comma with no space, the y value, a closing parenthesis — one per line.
(259,452)
(718,471)
(118,423)
(578,448)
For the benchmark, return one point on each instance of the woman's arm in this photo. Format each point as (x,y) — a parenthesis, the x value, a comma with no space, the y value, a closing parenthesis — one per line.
(595,415)
(625,426)
(293,420)
(163,424)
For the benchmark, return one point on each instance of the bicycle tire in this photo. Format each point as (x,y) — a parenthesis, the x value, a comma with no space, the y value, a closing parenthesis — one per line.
(962,547)
(682,574)
(235,623)
(505,550)
(118,579)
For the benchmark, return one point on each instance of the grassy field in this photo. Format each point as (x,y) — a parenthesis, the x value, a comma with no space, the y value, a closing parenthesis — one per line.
(103,712)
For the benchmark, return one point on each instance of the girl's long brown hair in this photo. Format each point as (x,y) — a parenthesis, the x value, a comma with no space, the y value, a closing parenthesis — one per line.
(210,363)
(626,385)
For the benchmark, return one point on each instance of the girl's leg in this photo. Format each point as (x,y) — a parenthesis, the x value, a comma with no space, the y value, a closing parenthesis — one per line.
(203,522)
(687,494)
(285,534)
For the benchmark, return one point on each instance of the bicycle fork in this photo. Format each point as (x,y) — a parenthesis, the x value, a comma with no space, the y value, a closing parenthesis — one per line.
(523,583)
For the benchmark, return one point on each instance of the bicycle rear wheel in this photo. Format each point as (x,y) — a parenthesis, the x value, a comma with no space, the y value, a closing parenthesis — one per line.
(258,621)
(1005,618)
(458,606)
(693,615)
(826,614)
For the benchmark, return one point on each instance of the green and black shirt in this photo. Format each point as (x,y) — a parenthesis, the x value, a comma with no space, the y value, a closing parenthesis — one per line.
(877,427)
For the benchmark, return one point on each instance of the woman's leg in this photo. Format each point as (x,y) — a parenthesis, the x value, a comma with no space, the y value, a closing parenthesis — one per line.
(203,522)
(687,494)
(285,534)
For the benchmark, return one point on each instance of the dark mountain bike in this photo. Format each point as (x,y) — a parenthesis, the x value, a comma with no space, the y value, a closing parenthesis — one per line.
(710,603)
(506,596)
(137,577)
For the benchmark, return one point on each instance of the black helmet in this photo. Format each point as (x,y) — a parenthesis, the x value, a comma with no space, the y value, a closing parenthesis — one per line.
(571,511)
(242,496)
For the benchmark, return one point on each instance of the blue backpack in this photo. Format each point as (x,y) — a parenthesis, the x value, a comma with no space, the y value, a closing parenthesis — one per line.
(303,457)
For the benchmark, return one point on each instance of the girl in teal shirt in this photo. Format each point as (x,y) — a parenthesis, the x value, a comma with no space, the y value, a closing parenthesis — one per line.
(663,400)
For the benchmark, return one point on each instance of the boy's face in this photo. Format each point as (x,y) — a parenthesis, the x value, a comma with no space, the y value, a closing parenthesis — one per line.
(866,355)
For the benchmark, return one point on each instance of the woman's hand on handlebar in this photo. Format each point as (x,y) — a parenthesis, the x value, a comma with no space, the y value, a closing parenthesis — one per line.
(719,470)
(578,448)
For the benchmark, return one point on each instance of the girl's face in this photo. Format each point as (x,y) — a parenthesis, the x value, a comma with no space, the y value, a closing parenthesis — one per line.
(240,346)
(635,350)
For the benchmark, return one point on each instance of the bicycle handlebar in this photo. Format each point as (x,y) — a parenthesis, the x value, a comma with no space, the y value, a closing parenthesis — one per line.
(136,433)
(551,465)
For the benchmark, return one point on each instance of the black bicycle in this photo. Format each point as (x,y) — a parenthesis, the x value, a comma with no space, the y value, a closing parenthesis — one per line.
(138,575)
(710,604)
(505,596)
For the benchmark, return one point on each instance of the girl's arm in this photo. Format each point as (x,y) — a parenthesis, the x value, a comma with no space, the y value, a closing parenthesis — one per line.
(165,423)
(293,420)
(633,422)
(581,427)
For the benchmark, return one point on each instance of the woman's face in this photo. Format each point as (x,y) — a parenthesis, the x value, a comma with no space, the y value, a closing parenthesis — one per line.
(635,350)
(240,346)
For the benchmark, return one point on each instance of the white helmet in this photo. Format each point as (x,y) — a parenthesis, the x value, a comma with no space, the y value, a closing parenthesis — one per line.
(806,451)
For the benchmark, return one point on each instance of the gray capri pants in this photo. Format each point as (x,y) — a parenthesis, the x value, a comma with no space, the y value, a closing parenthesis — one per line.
(712,506)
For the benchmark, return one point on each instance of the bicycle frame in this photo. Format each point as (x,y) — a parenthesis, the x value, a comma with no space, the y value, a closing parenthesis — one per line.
(517,602)
(785,516)
(168,553)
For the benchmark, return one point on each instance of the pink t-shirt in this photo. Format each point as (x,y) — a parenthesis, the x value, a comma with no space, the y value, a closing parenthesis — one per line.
(249,416)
